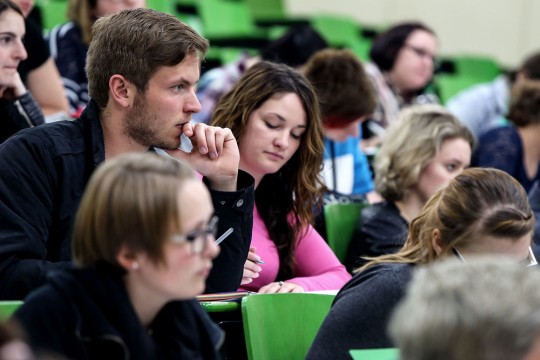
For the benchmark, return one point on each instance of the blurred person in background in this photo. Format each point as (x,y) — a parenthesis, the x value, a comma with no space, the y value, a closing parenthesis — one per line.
(18,109)
(421,153)
(515,148)
(39,73)
(485,106)
(68,44)
(482,309)
(403,60)
(346,99)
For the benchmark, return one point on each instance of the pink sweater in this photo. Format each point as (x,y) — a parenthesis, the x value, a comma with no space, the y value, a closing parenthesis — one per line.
(317,268)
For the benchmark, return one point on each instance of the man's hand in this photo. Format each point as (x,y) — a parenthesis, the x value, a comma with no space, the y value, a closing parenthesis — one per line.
(215,155)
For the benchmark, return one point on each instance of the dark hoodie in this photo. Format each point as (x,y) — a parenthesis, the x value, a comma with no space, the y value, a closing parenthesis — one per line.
(87,314)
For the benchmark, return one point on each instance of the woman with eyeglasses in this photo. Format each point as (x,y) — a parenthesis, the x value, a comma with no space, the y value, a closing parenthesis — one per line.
(143,244)
(273,113)
(403,60)
(481,211)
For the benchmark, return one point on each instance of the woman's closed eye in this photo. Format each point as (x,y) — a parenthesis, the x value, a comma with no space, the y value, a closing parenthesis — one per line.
(270,125)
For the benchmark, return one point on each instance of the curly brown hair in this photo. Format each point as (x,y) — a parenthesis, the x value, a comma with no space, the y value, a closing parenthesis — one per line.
(297,186)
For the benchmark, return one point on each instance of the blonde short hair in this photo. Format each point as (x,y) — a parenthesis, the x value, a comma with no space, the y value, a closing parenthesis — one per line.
(410,143)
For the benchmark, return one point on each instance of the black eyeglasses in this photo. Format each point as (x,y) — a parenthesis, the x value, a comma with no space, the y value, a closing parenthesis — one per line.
(531,259)
(198,238)
(423,54)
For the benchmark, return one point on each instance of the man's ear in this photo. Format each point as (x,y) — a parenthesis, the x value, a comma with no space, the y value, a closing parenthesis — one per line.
(436,241)
(127,259)
(121,91)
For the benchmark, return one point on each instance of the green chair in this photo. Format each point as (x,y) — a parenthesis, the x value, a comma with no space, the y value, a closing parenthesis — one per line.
(267,9)
(375,354)
(340,221)
(282,326)
(166,6)
(338,31)
(7,308)
(229,23)
(53,12)
(449,85)
(481,67)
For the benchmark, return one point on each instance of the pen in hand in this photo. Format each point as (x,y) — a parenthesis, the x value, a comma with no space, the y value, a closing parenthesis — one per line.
(224,235)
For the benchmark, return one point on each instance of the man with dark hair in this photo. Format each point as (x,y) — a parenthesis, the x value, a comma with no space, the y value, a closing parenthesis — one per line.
(142,84)
(346,98)
(484,106)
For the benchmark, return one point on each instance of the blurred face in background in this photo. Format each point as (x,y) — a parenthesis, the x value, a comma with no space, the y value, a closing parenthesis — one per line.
(108,7)
(453,157)
(415,62)
(12,50)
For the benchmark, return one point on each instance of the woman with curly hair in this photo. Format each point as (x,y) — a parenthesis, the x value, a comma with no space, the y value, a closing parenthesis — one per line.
(420,154)
(273,113)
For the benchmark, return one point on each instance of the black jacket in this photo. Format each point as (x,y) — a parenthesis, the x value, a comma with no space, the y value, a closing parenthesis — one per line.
(87,314)
(359,316)
(380,230)
(44,171)
(19,114)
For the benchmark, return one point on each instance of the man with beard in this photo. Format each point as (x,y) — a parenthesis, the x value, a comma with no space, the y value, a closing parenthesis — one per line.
(142,87)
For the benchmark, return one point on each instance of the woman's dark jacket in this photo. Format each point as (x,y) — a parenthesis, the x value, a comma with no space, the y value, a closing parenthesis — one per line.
(87,314)
(19,114)
(380,230)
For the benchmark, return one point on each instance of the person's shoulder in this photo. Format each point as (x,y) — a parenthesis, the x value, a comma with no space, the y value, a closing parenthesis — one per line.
(62,31)
(501,132)
(44,302)
(379,212)
(384,275)
(54,138)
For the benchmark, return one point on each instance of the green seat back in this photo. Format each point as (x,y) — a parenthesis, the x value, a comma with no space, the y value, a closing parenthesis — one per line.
(338,31)
(226,18)
(375,354)
(480,67)
(267,9)
(167,6)
(340,221)
(53,12)
(7,308)
(449,85)
(282,326)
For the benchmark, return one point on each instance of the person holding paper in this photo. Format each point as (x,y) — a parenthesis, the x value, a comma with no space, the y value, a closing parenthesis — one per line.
(274,113)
